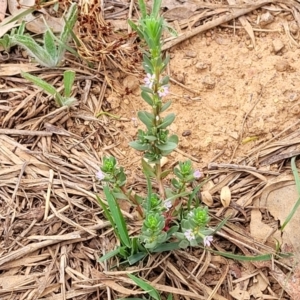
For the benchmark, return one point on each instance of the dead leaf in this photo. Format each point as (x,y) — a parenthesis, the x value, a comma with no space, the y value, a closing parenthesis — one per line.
(279,197)
(207,198)
(225,196)
(13,6)
(259,230)
(3,7)
(14,69)
(38,24)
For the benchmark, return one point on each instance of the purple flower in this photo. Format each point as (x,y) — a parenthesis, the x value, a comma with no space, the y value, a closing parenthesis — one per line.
(100,175)
(167,204)
(207,240)
(189,235)
(197,174)
(163,91)
(149,80)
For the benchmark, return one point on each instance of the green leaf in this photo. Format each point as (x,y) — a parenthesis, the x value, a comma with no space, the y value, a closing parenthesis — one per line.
(262,257)
(107,215)
(166,247)
(70,20)
(165,63)
(170,297)
(145,118)
(109,255)
(168,120)
(165,80)
(147,98)
(145,286)
(155,8)
(34,50)
(165,173)
(132,25)
(133,259)
(297,182)
(40,83)
(117,217)
(166,106)
(138,146)
(174,139)
(169,146)
(147,169)
(49,44)
(146,89)
(150,138)
(143,9)
(69,77)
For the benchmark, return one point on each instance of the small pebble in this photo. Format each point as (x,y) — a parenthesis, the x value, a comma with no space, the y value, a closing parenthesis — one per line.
(186,133)
(277,45)
(209,82)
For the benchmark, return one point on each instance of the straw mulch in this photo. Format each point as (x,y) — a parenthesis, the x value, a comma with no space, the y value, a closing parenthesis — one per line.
(52,229)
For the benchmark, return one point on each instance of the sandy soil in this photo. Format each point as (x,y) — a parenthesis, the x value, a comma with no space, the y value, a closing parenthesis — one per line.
(231,97)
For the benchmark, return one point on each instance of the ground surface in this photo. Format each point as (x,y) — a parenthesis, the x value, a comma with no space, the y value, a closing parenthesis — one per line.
(235,99)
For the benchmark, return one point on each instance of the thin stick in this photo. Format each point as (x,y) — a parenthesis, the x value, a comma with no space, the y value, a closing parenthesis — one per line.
(51,175)
(24,132)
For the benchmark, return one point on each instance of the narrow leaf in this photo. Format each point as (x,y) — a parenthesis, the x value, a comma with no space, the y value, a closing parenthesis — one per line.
(147,98)
(145,286)
(34,50)
(49,44)
(69,77)
(166,106)
(117,217)
(40,83)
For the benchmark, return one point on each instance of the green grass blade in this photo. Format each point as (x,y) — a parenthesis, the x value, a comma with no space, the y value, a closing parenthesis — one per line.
(109,255)
(262,257)
(40,83)
(70,20)
(117,217)
(145,286)
(69,77)
(297,181)
(107,215)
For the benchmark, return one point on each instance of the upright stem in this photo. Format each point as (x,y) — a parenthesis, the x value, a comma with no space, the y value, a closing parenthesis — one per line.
(132,199)
(159,181)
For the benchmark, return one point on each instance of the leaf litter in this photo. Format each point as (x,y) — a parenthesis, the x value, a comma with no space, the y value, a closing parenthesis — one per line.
(52,230)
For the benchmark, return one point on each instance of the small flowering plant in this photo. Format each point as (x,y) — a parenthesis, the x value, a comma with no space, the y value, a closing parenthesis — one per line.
(173,216)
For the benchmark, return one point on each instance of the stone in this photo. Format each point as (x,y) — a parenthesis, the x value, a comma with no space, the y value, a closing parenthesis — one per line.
(209,82)
(131,82)
(201,65)
(277,45)
(190,54)
(266,19)
(282,65)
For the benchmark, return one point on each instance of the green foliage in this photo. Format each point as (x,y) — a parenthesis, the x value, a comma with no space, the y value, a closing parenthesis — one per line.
(61,100)
(7,41)
(52,52)
(173,217)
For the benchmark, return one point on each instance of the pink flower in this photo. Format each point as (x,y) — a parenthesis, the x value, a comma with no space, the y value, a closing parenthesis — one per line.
(197,174)
(163,91)
(167,204)
(149,80)
(207,240)
(100,175)
(189,235)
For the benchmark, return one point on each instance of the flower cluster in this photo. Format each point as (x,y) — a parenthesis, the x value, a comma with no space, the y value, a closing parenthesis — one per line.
(150,81)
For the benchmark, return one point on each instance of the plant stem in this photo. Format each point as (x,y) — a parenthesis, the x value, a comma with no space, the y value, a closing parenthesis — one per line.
(159,181)
(132,199)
